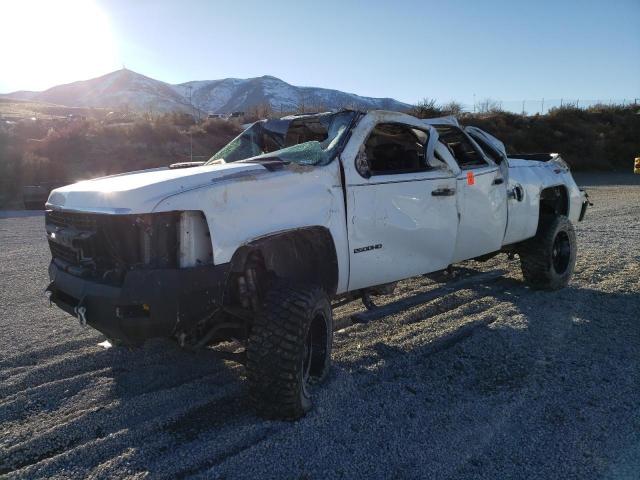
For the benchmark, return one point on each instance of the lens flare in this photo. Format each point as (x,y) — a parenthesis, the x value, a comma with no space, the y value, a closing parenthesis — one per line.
(45,43)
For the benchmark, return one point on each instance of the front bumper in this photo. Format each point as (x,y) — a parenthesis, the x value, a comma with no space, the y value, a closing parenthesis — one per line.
(148,304)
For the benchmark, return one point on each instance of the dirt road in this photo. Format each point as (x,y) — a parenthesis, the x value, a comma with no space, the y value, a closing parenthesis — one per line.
(487,382)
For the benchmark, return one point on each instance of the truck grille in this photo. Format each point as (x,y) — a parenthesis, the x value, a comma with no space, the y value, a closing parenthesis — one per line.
(63,253)
(105,247)
(79,221)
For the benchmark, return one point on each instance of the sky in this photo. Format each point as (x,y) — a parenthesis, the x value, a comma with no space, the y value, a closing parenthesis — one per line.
(408,50)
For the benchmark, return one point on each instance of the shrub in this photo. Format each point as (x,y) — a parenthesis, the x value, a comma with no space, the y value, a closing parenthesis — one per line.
(602,137)
(452,108)
(427,108)
(218,126)
(488,105)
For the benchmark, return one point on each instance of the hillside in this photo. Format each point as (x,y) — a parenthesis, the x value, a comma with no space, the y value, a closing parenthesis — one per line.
(125,89)
(604,138)
(55,151)
(234,94)
(68,145)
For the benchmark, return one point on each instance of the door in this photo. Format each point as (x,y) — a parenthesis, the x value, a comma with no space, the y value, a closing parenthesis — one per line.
(482,196)
(401,207)
(519,203)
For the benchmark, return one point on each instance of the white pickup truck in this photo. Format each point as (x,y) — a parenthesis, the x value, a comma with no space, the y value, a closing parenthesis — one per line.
(293,214)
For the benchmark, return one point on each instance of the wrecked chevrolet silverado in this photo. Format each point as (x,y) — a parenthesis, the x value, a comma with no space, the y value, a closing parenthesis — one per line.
(292,215)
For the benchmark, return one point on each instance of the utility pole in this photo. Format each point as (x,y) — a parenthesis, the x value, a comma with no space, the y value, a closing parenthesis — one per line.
(542,107)
(190,130)
(523,108)
(474,103)
(193,109)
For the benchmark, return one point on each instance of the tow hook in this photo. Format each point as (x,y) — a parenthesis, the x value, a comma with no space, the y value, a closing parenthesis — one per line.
(81,313)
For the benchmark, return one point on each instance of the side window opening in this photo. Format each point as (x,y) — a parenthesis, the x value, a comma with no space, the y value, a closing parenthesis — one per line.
(489,151)
(465,153)
(393,148)
(441,152)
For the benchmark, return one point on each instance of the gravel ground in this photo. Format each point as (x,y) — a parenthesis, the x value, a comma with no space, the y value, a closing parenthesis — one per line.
(488,382)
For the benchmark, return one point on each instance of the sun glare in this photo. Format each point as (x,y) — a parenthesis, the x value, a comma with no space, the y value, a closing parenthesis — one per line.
(48,42)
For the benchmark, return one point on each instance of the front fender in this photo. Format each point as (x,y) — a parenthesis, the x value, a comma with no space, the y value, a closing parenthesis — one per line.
(306,255)
(246,209)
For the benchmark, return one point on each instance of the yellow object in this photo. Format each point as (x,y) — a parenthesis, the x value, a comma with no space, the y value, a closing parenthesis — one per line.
(636,166)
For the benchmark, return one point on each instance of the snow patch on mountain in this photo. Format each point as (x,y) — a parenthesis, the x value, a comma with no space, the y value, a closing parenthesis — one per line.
(127,89)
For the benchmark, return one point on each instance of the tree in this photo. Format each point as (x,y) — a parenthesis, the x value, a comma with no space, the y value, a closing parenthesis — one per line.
(303,102)
(427,108)
(488,105)
(452,108)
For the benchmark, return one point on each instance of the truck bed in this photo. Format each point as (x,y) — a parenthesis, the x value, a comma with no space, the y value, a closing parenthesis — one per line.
(539,157)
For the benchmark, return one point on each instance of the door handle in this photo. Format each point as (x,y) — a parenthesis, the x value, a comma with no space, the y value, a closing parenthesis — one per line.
(443,192)
(498,181)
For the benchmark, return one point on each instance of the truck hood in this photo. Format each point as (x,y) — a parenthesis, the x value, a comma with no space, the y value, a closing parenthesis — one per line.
(141,191)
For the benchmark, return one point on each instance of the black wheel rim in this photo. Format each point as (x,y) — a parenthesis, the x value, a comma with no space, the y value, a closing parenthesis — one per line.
(561,253)
(315,350)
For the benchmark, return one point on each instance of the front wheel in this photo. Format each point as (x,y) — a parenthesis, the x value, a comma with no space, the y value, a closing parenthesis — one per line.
(548,259)
(289,349)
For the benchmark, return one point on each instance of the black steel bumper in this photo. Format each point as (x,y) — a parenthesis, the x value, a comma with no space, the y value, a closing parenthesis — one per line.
(148,304)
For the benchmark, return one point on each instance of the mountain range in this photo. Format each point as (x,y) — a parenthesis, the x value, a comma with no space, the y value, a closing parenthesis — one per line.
(127,89)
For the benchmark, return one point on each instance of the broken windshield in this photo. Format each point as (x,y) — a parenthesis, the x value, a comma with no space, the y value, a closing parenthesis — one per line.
(304,139)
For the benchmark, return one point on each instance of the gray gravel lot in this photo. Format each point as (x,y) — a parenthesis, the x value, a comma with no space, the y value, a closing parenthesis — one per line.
(488,382)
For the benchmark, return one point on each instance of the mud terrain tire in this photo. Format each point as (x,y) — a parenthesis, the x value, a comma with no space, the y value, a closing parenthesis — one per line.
(548,259)
(289,348)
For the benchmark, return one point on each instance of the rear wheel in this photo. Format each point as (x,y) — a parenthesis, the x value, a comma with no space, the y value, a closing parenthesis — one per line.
(289,350)
(548,259)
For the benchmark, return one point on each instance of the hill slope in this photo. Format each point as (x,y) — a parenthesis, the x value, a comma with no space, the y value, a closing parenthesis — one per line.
(125,88)
(122,88)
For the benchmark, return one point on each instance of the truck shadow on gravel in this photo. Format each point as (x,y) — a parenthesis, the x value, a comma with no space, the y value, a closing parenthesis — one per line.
(557,382)
(556,385)
(550,325)
(94,396)
(552,374)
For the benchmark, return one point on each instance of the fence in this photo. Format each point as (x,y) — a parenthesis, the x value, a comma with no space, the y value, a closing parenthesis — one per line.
(543,105)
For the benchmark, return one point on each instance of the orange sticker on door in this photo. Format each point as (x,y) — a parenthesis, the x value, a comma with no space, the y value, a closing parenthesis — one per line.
(470,178)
